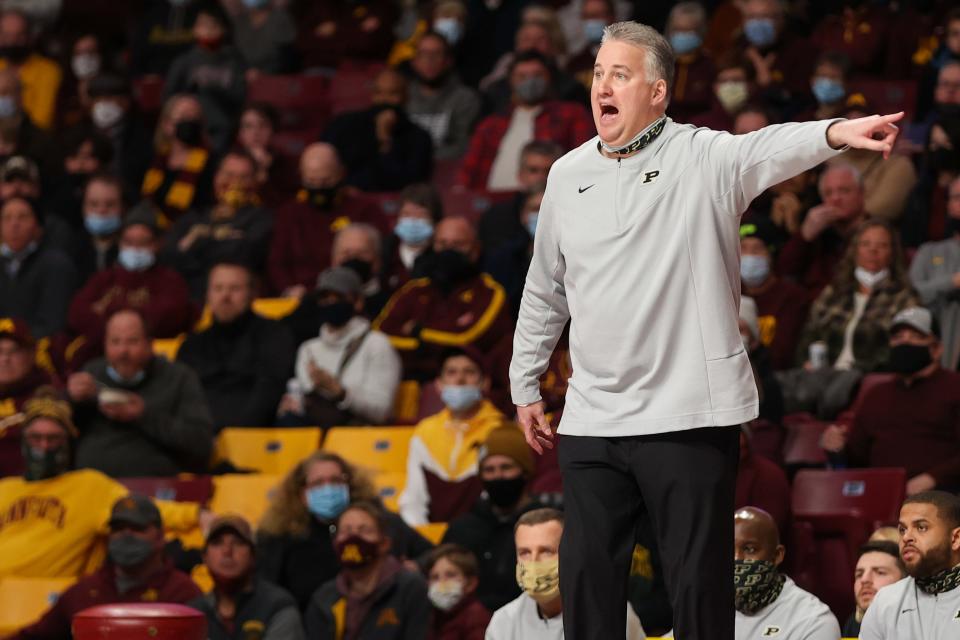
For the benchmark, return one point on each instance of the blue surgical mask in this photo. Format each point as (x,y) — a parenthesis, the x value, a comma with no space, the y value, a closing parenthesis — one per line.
(754,270)
(685,41)
(8,107)
(255,4)
(413,231)
(99,225)
(461,397)
(760,32)
(593,30)
(827,90)
(532,224)
(449,28)
(135,379)
(328,501)
(133,259)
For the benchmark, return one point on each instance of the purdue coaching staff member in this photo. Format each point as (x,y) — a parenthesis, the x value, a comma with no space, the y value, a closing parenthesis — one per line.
(638,244)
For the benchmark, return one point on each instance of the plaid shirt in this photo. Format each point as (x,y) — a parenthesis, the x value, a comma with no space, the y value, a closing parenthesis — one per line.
(566,123)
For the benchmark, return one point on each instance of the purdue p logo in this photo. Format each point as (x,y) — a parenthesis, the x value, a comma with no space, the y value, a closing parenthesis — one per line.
(650,176)
(771,631)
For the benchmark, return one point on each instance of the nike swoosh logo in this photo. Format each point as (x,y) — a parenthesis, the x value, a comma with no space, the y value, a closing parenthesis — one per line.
(582,189)
(907,610)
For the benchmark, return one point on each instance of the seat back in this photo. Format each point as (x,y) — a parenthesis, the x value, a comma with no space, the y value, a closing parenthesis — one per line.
(24,600)
(302,101)
(275,308)
(389,486)
(247,495)
(433,531)
(350,88)
(270,450)
(185,488)
(377,449)
(874,494)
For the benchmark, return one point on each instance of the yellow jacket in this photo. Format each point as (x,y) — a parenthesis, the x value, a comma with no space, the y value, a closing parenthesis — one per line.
(40,80)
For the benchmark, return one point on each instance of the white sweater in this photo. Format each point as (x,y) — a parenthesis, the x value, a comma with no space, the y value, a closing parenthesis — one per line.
(370,378)
(643,254)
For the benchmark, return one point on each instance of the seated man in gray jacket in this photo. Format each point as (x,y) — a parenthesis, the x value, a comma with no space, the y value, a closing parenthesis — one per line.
(139,415)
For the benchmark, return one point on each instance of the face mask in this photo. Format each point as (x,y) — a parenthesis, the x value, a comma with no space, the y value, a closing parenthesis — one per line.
(8,107)
(868,279)
(754,270)
(732,95)
(85,65)
(953,226)
(446,594)
(136,379)
(189,132)
(907,359)
(42,464)
(593,30)
(355,552)
(106,113)
(827,90)
(133,259)
(255,4)
(505,492)
(532,224)
(336,314)
(210,44)
(235,197)
(100,226)
(323,198)
(459,398)
(531,90)
(757,584)
(328,501)
(540,580)
(449,28)
(129,551)
(450,268)
(760,32)
(17,53)
(685,41)
(362,268)
(413,231)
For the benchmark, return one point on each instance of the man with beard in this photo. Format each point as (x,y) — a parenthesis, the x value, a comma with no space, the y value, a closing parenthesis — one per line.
(927,603)
(454,306)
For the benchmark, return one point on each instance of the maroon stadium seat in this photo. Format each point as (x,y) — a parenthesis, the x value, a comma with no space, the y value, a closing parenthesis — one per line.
(350,88)
(148,94)
(302,101)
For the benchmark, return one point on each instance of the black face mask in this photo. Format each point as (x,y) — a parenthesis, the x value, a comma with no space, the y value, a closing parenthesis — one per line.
(433,83)
(360,267)
(189,132)
(953,226)
(16,53)
(336,314)
(907,359)
(450,268)
(505,492)
(41,465)
(323,198)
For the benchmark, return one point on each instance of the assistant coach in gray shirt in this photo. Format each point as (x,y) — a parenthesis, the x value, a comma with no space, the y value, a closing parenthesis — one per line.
(637,243)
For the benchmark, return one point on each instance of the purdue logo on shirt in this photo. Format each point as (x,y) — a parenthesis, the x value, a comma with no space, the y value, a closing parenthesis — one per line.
(769,632)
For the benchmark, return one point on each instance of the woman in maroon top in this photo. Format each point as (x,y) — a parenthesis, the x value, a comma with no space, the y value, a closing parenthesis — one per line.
(457,614)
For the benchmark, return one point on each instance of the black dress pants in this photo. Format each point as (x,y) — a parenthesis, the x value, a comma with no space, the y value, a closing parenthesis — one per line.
(686,481)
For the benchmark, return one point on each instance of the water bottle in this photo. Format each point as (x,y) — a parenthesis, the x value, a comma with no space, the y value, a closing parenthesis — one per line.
(295,391)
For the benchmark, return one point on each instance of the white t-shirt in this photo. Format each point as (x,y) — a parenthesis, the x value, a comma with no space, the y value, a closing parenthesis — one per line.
(846,359)
(503,172)
(520,620)
(901,611)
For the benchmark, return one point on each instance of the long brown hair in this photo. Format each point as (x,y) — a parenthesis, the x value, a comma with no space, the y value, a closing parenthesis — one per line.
(845,284)
(288,515)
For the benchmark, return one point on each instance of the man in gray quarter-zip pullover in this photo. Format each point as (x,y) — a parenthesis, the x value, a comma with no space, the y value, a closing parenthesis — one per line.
(637,244)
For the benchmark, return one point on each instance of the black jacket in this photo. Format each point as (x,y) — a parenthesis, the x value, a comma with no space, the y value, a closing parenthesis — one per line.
(264,607)
(243,368)
(41,290)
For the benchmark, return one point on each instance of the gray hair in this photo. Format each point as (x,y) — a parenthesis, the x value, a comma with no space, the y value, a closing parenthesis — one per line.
(658,60)
(841,166)
(373,235)
(693,9)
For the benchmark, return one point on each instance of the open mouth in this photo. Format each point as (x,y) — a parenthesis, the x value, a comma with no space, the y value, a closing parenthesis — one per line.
(608,112)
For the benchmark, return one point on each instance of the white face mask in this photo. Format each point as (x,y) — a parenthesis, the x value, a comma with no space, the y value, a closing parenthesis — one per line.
(444,595)
(870,279)
(85,65)
(106,113)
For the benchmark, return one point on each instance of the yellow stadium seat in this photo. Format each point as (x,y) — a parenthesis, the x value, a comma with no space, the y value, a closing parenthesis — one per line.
(406,406)
(24,600)
(275,308)
(168,347)
(389,486)
(245,494)
(433,531)
(376,449)
(267,450)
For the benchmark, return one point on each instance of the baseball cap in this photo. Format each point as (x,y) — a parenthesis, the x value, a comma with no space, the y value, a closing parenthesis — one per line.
(233,523)
(20,167)
(760,228)
(135,509)
(918,318)
(144,212)
(17,330)
(507,440)
(340,280)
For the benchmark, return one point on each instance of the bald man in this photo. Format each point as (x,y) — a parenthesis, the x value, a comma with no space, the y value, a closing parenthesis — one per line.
(383,149)
(304,227)
(769,604)
(454,306)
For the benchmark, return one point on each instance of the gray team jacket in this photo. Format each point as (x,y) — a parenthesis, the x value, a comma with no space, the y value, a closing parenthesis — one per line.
(643,255)
(901,611)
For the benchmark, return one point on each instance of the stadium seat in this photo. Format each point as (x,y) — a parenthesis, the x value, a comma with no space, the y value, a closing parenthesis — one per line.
(469,204)
(302,101)
(245,494)
(389,487)
(168,347)
(377,449)
(266,450)
(406,406)
(148,94)
(801,447)
(433,531)
(24,600)
(275,308)
(350,88)
(184,488)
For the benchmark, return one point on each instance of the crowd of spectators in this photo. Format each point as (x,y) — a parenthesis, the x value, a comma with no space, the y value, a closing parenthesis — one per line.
(155,182)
